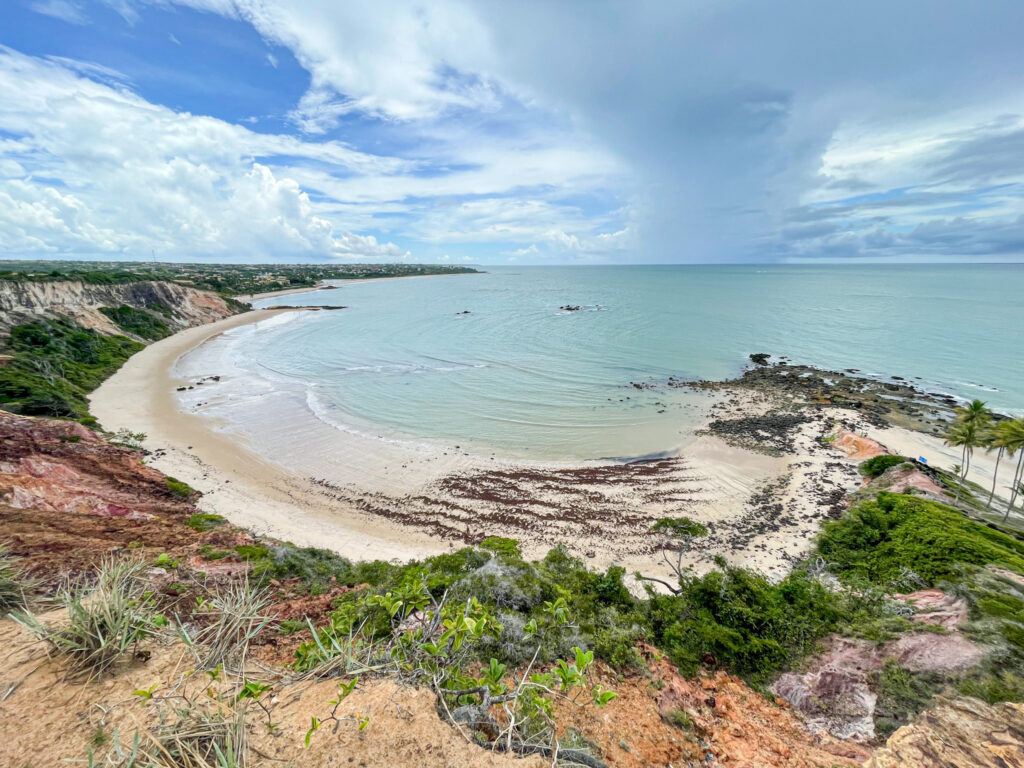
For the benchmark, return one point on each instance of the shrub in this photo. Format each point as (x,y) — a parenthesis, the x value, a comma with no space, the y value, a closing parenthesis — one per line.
(502,546)
(740,620)
(138,322)
(314,567)
(104,622)
(884,539)
(875,466)
(252,551)
(679,527)
(203,522)
(179,489)
(901,695)
(56,364)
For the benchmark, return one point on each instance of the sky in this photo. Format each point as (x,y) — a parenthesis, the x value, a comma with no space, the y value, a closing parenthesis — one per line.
(531,132)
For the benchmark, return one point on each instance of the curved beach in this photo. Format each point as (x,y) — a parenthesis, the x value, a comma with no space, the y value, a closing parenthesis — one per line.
(288,474)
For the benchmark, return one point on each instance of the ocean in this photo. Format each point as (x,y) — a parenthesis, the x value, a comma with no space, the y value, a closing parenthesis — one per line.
(492,363)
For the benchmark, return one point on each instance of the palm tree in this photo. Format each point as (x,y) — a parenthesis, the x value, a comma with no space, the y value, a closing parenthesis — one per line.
(996,437)
(963,434)
(968,431)
(1014,436)
(976,413)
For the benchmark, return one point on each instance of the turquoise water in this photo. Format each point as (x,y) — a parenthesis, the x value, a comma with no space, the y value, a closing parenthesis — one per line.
(520,376)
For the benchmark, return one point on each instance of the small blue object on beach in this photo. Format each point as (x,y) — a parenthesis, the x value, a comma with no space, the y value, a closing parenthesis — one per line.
(922,459)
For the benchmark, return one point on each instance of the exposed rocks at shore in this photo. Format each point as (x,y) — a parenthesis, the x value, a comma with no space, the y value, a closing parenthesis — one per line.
(883,403)
(770,432)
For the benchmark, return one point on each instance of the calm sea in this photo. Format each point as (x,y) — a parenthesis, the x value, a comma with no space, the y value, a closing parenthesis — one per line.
(519,376)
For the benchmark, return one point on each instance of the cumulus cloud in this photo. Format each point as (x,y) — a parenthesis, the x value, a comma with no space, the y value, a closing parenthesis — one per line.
(712,130)
(95,169)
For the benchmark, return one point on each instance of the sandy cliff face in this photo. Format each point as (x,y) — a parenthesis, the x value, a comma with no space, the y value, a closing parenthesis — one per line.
(23,302)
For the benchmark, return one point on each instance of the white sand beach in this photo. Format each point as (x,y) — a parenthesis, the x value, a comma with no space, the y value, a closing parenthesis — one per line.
(368,498)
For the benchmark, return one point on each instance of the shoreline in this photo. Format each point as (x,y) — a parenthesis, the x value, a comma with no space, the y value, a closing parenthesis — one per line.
(365,499)
(236,482)
(404,516)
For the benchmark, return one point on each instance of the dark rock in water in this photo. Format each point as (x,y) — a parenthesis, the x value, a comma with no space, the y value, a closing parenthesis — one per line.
(328,287)
(571,307)
(182,389)
(759,358)
(464,312)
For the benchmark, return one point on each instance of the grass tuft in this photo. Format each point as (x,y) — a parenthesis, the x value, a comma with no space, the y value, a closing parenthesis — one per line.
(14,586)
(104,623)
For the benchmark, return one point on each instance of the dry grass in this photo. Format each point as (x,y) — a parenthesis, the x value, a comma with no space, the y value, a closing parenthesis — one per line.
(105,621)
(232,615)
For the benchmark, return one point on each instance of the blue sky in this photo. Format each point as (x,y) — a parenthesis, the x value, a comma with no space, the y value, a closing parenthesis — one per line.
(500,133)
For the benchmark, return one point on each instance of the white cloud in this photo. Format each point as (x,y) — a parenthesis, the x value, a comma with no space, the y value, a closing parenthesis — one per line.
(109,173)
(65,10)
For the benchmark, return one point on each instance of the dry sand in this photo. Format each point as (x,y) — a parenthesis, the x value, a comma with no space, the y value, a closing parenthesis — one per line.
(369,499)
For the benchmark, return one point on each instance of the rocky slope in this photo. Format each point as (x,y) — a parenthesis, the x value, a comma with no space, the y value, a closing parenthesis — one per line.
(179,305)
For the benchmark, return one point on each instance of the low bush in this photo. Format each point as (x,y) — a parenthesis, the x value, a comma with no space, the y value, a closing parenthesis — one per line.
(138,322)
(740,620)
(203,522)
(875,466)
(56,364)
(180,489)
(895,537)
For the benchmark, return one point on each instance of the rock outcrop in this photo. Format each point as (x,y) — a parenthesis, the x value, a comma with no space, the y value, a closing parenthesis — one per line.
(834,693)
(181,306)
(956,733)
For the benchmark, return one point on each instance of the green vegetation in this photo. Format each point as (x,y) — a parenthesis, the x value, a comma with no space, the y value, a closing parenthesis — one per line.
(681,527)
(226,279)
(180,489)
(876,466)
(55,364)
(138,322)
(895,539)
(203,522)
(12,582)
(899,542)
(738,619)
(104,622)
(901,695)
(314,568)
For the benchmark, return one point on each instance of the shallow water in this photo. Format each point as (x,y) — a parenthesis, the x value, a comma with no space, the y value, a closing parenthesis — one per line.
(522,377)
